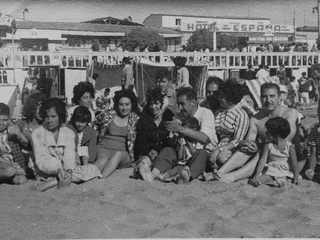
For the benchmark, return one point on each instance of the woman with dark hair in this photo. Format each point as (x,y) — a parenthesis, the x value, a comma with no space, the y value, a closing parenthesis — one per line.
(30,121)
(152,135)
(117,133)
(182,73)
(231,122)
(54,150)
(83,93)
(86,136)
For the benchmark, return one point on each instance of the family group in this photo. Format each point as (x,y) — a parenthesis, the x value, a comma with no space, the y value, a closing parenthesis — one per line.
(172,138)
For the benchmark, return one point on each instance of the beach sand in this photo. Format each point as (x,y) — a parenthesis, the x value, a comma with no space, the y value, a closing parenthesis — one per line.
(121,207)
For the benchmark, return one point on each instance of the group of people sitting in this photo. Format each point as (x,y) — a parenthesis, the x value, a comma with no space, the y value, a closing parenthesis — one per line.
(173,138)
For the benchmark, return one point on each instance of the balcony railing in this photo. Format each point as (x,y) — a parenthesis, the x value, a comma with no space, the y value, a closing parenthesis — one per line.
(215,60)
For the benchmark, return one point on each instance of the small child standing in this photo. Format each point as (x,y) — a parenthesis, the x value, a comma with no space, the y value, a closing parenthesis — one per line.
(86,136)
(273,163)
(186,148)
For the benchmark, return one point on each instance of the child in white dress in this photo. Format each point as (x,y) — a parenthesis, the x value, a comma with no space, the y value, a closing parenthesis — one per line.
(278,159)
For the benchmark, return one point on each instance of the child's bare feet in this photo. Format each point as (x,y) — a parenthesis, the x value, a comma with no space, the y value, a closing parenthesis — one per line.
(282,182)
(309,174)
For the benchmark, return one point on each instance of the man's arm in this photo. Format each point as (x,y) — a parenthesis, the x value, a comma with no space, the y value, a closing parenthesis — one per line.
(292,117)
(249,144)
(175,126)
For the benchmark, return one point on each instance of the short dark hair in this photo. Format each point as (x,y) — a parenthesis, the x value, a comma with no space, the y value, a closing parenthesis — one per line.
(163,73)
(4,109)
(80,114)
(190,122)
(180,61)
(56,104)
(95,75)
(214,80)
(278,126)
(231,91)
(80,89)
(127,93)
(267,86)
(187,91)
(126,60)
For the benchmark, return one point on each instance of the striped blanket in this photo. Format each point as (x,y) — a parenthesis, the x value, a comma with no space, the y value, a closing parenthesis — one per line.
(254,87)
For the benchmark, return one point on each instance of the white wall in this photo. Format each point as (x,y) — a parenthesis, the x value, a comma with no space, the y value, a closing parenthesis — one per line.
(72,78)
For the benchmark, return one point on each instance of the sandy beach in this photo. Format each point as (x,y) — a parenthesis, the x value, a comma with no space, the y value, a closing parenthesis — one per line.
(121,207)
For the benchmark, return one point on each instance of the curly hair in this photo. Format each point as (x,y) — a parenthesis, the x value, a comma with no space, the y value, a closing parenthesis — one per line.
(127,93)
(189,92)
(231,91)
(278,126)
(154,94)
(80,114)
(30,107)
(80,89)
(58,105)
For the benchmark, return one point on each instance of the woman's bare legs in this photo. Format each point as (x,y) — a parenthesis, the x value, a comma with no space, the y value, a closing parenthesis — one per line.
(117,159)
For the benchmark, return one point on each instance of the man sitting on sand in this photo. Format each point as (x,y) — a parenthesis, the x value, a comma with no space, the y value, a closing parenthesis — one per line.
(167,158)
(247,156)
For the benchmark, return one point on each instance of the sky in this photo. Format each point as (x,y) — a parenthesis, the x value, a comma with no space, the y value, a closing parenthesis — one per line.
(279,11)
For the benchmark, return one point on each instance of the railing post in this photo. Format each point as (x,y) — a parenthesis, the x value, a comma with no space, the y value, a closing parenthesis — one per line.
(227,65)
(161,57)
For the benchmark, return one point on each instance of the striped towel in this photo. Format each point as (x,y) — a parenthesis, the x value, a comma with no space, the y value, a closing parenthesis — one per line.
(254,87)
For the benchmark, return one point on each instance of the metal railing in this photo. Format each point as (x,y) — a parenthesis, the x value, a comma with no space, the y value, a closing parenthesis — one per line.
(214,60)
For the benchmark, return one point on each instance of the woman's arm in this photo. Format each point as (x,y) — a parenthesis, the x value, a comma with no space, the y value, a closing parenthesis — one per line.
(262,161)
(294,164)
(43,158)
(69,155)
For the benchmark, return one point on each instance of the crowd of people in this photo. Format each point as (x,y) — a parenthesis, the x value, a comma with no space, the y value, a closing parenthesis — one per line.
(173,137)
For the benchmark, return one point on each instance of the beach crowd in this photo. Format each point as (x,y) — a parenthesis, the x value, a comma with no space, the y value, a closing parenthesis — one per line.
(173,137)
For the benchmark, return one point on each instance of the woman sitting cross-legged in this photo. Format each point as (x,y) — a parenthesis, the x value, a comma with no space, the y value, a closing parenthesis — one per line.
(152,135)
(117,133)
(54,150)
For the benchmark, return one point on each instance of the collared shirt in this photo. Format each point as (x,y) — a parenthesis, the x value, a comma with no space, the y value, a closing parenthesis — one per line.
(207,126)
(231,125)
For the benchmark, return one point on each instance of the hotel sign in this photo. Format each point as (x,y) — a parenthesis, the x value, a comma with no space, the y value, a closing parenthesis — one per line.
(193,25)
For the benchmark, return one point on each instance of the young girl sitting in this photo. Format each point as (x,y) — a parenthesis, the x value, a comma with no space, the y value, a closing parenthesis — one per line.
(186,148)
(86,136)
(273,163)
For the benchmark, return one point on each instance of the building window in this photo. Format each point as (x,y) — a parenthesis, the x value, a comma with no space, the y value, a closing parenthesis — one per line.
(178,21)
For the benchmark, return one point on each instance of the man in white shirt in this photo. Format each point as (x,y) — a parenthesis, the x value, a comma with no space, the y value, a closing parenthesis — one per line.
(206,138)
(262,74)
